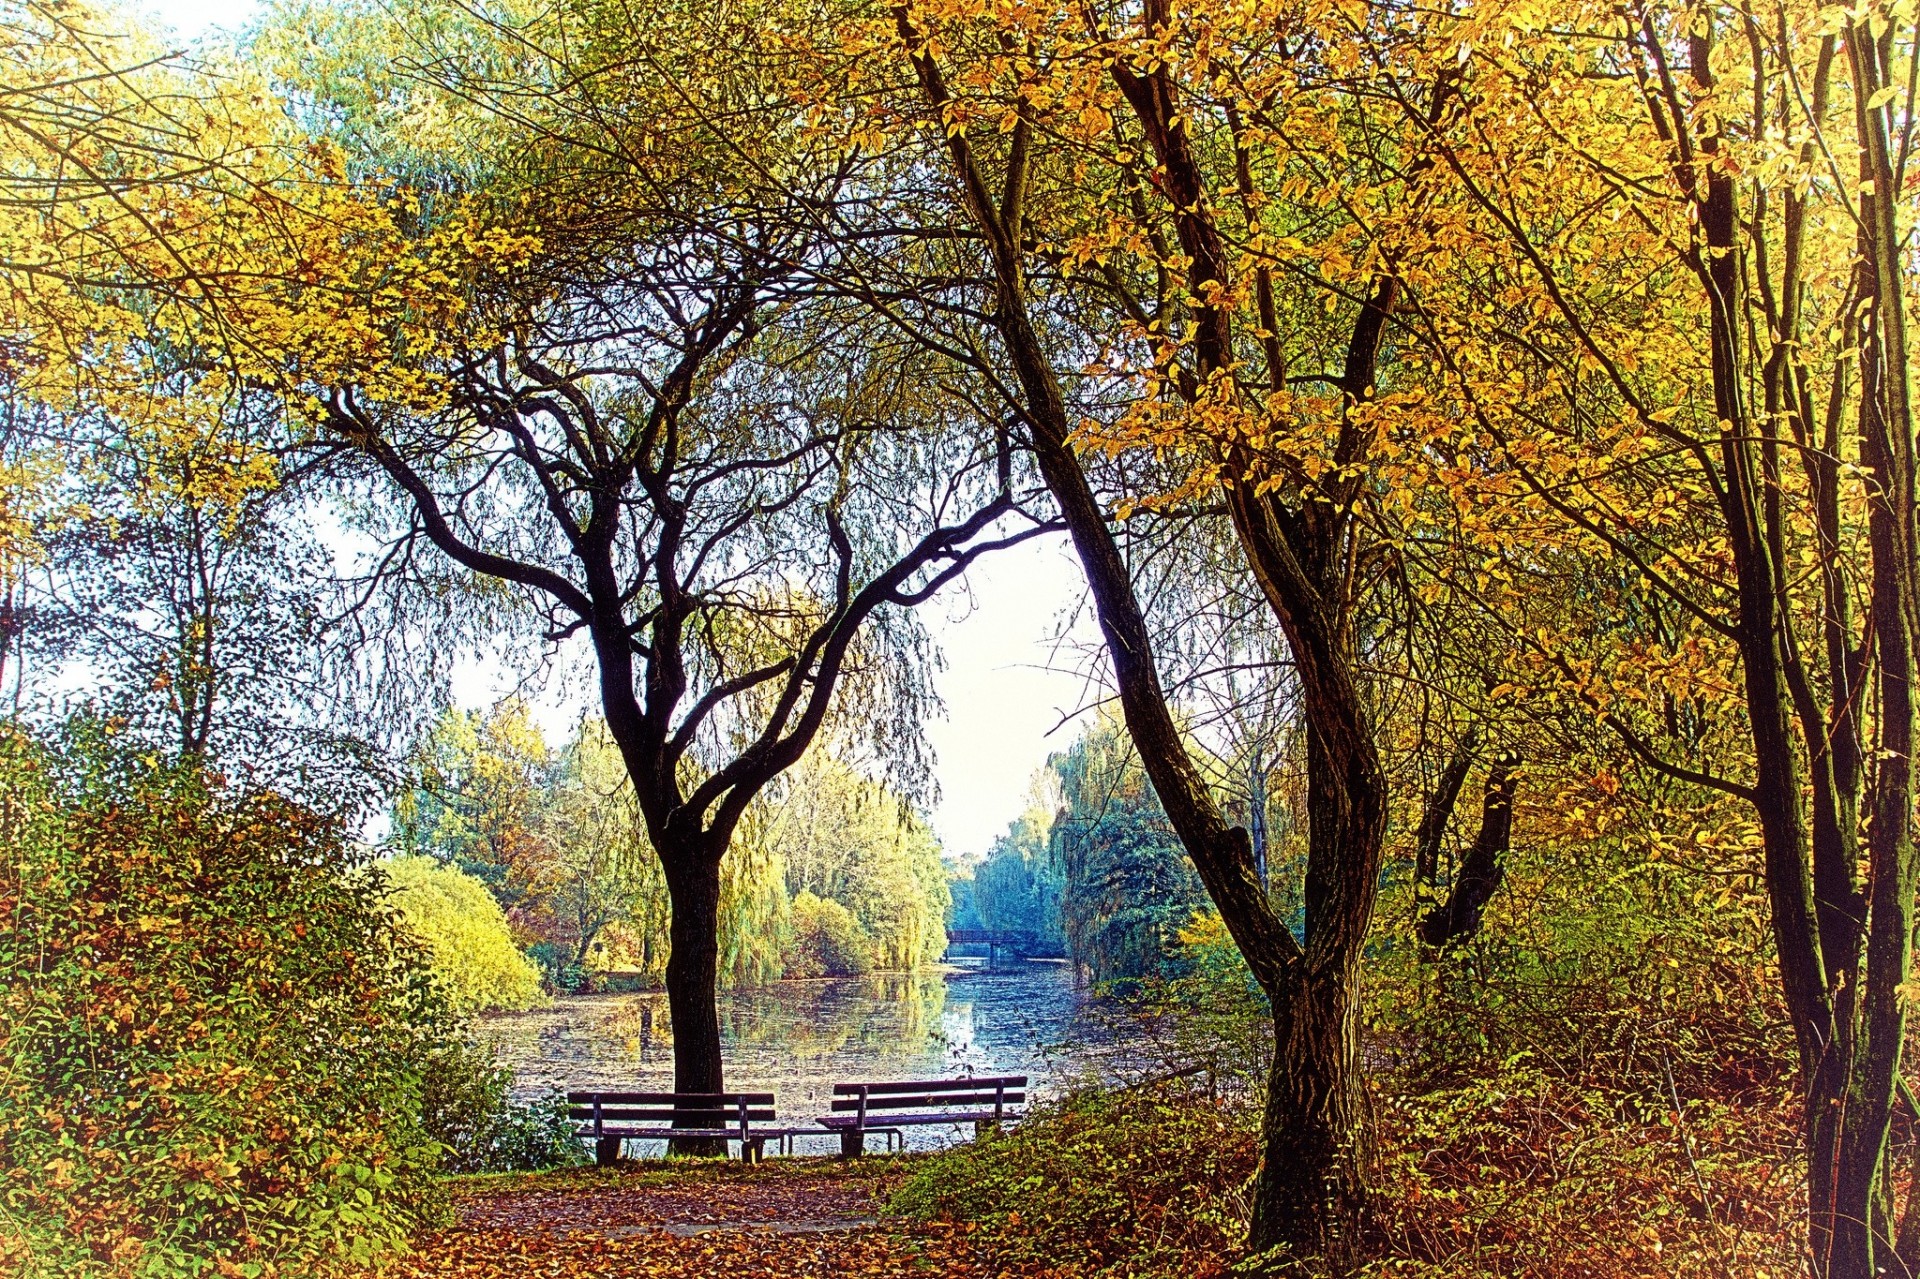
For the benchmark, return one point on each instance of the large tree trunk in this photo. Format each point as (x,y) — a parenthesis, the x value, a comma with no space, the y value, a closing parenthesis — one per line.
(1310,1201)
(693,887)
(1310,1204)
(1311,1193)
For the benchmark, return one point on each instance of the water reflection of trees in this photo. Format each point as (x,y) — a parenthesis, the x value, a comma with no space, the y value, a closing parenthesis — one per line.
(797,1037)
(638,1023)
(885,1014)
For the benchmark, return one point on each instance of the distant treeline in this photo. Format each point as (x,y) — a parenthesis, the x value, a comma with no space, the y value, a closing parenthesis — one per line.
(1091,871)
(830,873)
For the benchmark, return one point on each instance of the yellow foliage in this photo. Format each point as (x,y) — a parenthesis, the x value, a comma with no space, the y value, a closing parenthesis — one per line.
(474,958)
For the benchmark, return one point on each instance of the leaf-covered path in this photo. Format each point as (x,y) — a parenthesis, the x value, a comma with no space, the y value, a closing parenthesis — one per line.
(786,1219)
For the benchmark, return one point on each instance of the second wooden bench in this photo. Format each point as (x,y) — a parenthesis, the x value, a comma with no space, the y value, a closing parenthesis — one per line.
(860,1108)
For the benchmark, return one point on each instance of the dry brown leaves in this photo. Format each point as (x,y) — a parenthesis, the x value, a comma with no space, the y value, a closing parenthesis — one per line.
(787,1220)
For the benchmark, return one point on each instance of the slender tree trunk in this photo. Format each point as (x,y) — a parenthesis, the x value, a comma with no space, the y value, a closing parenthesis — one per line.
(1862,1243)
(1482,869)
(1432,834)
(1257,813)
(1762,632)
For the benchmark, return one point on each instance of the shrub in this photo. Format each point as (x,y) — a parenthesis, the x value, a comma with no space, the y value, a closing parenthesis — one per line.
(1141,1183)
(1599,1083)
(1207,1015)
(215,1034)
(464,929)
(1527,1174)
(469,1109)
(556,965)
(827,941)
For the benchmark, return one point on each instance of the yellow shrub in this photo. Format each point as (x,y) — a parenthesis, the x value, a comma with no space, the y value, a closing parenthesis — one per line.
(474,957)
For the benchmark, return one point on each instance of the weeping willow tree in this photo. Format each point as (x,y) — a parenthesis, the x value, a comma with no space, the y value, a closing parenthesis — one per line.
(843,840)
(1128,885)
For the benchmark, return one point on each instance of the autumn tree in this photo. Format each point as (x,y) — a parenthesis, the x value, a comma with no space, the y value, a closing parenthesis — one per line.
(731,488)
(481,800)
(600,851)
(1128,207)
(1677,328)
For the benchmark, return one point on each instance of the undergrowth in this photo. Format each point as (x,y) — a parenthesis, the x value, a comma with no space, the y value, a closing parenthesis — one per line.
(1138,1184)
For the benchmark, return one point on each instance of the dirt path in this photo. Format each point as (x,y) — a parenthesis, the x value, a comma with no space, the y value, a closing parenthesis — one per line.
(785,1219)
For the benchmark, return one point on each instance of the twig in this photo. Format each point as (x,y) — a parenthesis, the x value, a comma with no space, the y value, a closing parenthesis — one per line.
(1686,1144)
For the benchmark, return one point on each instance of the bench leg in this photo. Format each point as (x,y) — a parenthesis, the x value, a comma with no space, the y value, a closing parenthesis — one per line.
(853,1143)
(753,1150)
(606,1151)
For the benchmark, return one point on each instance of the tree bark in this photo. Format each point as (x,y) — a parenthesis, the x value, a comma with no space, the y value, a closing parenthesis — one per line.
(1310,1198)
(692,980)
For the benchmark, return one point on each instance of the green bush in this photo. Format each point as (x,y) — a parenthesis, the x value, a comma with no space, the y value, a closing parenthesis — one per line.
(1600,1081)
(1141,1183)
(556,965)
(826,941)
(469,1109)
(215,1034)
(463,927)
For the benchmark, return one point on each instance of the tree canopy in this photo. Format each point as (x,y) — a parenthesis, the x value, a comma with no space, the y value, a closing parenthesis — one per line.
(1508,402)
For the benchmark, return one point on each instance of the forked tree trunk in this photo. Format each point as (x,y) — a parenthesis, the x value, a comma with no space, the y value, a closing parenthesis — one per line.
(1310,1202)
(1482,869)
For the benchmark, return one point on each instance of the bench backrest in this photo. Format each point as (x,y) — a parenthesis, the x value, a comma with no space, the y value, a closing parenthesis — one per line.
(997,1091)
(682,1109)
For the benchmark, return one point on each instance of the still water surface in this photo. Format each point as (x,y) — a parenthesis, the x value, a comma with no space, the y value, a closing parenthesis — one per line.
(799,1038)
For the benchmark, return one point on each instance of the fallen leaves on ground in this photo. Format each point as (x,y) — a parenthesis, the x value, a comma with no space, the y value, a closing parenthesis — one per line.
(785,1220)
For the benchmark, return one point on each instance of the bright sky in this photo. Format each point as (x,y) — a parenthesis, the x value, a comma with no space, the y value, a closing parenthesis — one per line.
(190,19)
(1006,687)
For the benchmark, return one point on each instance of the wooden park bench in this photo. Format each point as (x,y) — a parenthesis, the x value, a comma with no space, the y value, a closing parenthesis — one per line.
(613,1117)
(861,1108)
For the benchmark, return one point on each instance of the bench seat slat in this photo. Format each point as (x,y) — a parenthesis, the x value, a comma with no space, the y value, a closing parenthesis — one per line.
(925,1101)
(624,1114)
(673,1110)
(625,1131)
(987,1082)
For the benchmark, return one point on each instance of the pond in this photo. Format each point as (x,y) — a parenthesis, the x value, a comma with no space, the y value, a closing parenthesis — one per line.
(798,1038)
